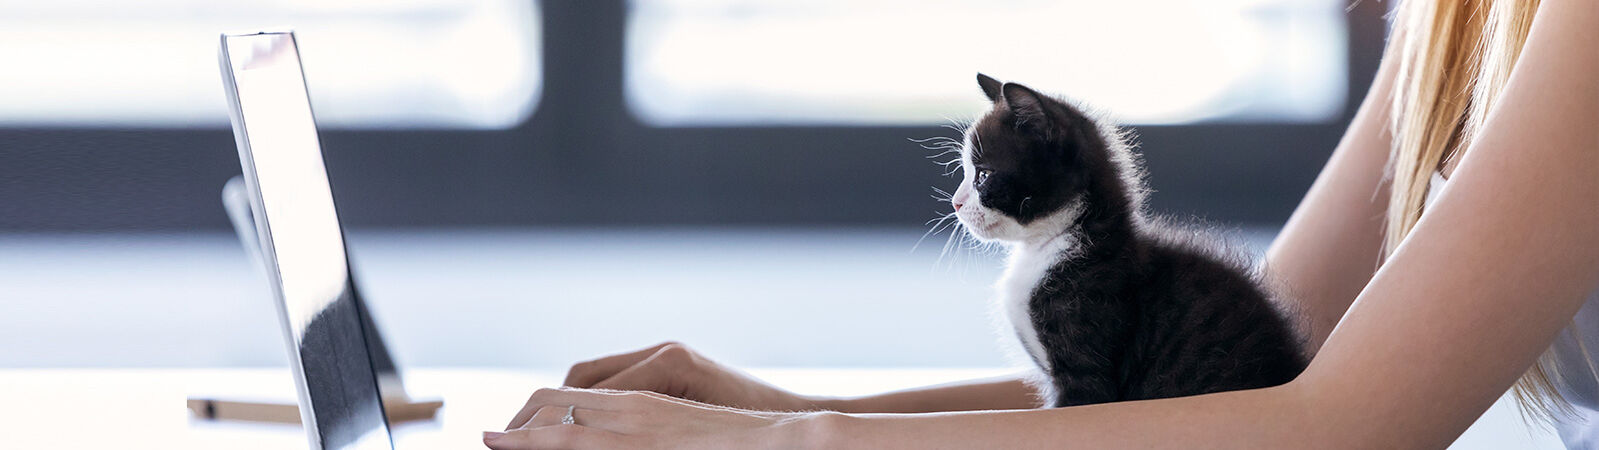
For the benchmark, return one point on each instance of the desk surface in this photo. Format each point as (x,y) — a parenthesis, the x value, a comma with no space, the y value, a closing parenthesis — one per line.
(144,408)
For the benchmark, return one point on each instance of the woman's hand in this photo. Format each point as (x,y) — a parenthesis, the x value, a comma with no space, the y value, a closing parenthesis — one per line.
(673,369)
(611,419)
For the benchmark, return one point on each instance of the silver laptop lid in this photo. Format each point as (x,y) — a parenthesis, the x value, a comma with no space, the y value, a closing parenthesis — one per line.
(301,241)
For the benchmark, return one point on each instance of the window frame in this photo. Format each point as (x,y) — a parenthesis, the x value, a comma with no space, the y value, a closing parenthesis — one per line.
(582,159)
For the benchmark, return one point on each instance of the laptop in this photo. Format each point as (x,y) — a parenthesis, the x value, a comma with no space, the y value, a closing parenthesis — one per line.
(332,347)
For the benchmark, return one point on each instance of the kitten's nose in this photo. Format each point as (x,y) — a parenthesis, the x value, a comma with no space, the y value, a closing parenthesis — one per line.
(957,204)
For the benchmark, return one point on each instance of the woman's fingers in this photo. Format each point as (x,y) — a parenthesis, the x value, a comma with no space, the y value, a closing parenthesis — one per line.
(585,374)
(633,419)
(554,437)
(613,421)
(563,398)
(666,371)
(547,415)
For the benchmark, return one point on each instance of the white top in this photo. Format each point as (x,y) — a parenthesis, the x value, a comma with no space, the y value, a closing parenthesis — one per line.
(1575,375)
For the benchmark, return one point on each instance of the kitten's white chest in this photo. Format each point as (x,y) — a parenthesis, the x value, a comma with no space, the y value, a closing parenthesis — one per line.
(1022,274)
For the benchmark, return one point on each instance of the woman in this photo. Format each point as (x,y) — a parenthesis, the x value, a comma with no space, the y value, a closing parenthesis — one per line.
(1419,321)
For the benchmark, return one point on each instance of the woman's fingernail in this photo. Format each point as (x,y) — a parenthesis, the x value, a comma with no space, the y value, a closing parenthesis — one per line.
(492,435)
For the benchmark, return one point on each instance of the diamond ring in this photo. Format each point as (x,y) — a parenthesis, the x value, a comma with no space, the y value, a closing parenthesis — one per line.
(568,419)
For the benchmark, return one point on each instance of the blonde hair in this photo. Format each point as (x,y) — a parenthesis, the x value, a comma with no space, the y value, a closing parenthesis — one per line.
(1455,58)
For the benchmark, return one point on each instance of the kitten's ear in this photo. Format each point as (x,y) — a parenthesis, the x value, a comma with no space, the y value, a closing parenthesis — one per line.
(990,86)
(1026,104)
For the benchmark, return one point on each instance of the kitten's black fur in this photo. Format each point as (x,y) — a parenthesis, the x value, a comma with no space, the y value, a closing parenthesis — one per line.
(1136,308)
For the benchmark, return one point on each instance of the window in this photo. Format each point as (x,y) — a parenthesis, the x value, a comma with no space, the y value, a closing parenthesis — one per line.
(369,63)
(718,62)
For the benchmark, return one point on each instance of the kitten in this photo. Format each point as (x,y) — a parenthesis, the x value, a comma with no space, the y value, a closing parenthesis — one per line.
(1111,304)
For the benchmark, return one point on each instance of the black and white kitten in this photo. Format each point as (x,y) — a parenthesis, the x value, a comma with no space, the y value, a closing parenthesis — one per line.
(1110,303)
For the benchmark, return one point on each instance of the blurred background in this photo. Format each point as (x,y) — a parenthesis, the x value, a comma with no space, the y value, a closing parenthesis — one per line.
(531,183)
(526,184)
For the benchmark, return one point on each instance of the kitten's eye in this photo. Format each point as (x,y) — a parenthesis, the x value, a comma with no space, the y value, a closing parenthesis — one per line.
(982,175)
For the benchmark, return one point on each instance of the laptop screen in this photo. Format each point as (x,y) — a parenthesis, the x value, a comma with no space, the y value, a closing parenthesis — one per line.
(301,241)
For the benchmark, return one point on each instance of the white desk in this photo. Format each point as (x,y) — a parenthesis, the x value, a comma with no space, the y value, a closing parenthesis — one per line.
(144,408)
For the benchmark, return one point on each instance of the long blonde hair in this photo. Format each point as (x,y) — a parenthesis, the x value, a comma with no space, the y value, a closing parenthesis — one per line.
(1455,58)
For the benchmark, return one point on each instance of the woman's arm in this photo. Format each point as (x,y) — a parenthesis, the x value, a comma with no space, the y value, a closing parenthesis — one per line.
(992,394)
(1491,273)
(1329,249)
(674,369)
(1463,307)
